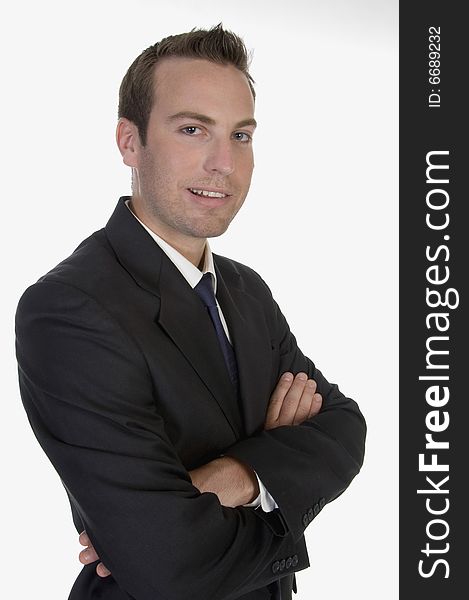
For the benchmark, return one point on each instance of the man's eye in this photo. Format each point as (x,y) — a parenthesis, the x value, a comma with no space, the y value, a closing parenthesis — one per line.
(242,136)
(190,130)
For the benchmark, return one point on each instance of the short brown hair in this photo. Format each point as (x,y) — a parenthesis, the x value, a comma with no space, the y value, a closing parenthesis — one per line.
(215,44)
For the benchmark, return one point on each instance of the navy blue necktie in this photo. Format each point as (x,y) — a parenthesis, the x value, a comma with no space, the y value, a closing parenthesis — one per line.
(205,291)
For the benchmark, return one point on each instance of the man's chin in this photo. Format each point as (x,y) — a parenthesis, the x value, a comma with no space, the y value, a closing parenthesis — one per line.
(210,230)
(216,233)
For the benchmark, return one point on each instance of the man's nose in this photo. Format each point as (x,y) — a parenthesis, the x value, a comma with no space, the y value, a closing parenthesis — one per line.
(220,158)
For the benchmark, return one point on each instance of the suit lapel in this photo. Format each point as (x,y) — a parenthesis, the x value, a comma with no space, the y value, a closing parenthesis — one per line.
(182,314)
(186,320)
(251,341)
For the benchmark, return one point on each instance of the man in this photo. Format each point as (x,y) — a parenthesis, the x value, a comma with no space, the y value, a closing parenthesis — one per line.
(195,441)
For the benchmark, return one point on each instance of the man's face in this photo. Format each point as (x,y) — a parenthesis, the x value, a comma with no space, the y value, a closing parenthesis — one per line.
(194,172)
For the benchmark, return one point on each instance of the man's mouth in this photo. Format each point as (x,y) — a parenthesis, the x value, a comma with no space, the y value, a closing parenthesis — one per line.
(208,193)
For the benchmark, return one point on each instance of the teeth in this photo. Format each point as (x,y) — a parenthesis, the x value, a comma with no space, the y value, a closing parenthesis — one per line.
(207,193)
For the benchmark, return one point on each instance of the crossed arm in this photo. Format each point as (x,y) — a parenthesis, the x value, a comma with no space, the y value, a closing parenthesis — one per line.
(293,401)
(85,385)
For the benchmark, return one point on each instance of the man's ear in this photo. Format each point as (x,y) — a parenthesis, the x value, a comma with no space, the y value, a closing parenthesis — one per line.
(128,141)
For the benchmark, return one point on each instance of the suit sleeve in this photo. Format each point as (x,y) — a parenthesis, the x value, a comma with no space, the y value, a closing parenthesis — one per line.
(308,465)
(88,395)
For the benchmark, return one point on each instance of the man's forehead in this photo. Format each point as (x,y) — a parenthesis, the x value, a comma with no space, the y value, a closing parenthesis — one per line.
(202,90)
(188,74)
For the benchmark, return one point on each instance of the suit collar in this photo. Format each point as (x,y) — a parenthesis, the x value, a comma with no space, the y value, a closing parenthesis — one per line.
(134,248)
(189,271)
(142,258)
(181,312)
(184,318)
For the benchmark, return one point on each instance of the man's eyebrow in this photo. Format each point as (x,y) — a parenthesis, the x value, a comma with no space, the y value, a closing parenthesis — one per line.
(246,122)
(205,119)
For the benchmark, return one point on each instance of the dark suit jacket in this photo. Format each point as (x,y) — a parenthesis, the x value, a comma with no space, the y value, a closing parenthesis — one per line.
(125,387)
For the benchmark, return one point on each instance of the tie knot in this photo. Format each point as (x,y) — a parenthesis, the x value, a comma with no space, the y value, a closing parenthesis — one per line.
(205,291)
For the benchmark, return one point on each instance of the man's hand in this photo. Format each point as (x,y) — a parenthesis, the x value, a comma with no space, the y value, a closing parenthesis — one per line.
(88,555)
(293,401)
(233,482)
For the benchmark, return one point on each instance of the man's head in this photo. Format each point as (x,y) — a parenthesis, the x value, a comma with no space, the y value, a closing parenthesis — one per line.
(186,119)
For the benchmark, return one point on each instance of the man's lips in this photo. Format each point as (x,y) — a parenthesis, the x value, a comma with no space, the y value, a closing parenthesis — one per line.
(209,197)
(209,192)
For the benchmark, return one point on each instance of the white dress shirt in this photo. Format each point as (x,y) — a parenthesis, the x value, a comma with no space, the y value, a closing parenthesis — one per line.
(193,275)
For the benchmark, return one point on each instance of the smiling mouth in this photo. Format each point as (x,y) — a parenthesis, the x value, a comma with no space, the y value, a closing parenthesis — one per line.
(207,193)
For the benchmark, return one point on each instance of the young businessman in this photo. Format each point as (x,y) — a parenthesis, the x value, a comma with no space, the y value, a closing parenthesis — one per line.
(194,439)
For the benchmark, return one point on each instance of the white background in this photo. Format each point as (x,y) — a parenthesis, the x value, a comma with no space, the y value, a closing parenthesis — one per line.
(320,225)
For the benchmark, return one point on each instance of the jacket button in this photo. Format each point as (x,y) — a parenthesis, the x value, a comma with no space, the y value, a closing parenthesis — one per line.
(276,567)
(305,520)
(311,514)
(294,560)
(282,564)
(322,502)
(288,562)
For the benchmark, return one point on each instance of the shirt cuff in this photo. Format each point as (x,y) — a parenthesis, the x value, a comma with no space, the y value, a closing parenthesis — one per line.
(264,499)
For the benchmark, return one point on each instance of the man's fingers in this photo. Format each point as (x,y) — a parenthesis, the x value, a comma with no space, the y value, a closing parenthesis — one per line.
(306,404)
(84,539)
(316,405)
(277,397)
(292,400)
(102,571)
(311,404)
(287,398)
(88,555)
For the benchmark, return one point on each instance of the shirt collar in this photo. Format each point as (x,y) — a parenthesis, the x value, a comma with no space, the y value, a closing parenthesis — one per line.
(190,272)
